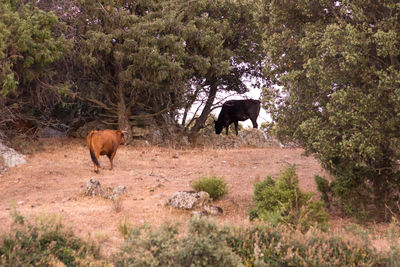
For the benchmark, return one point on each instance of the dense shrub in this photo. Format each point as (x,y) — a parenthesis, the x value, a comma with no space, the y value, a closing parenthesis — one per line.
(324,188)
(203,245)
(338,94)
(283,202)
(351,195)
(213,185)
(44,243)
(276,246)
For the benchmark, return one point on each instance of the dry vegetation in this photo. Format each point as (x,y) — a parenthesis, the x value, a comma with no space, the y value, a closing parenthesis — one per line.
(54,179)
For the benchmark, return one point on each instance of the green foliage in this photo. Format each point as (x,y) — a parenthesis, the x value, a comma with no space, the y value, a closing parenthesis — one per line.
(324,188)
(338,67)
(276,246)
(282,202)
(203,245)
(162,55)
(27,45)
(44,242)
(216,187)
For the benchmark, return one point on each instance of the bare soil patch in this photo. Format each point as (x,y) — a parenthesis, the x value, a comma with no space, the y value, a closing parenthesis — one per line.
(54,179)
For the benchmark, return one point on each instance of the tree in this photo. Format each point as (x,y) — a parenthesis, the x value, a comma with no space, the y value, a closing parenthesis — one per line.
(156,57)
(337,67)
(131,59)
(28,47)
(223,45)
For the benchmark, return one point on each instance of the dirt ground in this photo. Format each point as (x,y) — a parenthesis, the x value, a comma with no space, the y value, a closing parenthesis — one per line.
(54,179)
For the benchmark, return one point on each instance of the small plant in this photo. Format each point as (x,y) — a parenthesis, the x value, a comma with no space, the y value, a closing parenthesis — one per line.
(204,244)
(214,186)
(282,202)
(324,188)
(44,243)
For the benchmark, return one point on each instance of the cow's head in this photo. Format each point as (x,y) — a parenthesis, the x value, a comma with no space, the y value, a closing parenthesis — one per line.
(121,137)
(218,127)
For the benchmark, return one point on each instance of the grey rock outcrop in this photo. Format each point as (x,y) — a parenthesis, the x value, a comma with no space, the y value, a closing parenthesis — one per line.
(213,210)
(249,137)
(255,138)
(93,188)
(10,157)
(188,200)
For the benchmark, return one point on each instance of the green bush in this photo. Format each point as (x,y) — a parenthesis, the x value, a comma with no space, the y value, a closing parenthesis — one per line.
(282,202)
(44,243)
(324,188)
(213,185)
(206,244)
(203,245)
(265,245)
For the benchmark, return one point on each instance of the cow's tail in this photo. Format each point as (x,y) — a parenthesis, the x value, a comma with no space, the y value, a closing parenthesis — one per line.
(92,155)
(259,107)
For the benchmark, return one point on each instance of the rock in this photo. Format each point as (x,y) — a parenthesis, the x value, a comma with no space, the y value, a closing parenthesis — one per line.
(188,199)
(251,137)
(157,137)
(213,210)
(49,132)
(93,188)
(118,190)
(255,138)
(199,213)
(10,157)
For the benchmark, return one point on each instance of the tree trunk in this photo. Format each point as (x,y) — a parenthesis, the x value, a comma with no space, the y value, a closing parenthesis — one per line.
(207,109)
(123,116)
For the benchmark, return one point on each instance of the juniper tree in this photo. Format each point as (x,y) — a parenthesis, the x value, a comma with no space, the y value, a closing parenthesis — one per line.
(336,64)
(28,47)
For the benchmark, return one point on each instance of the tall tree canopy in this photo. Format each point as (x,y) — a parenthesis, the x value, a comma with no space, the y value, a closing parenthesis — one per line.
(131,59)
(337,67)
(28,46)
(157,56)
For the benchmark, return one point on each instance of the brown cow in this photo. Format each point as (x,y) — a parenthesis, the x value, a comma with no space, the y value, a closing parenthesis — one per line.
(104,143)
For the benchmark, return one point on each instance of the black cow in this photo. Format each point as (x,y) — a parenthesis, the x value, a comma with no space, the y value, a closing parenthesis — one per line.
(237,110)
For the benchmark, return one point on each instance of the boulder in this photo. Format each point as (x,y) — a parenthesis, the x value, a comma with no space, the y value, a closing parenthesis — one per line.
(213,210)
(93,188)
(49,132)
(250,137)
(10,157)
(255,138)
(188,199)
(118,190)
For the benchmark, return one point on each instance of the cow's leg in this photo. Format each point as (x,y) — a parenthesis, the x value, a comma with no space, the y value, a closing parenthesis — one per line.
(236,127)
(254,121)
(111,157)
(96,166)
(227,128)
